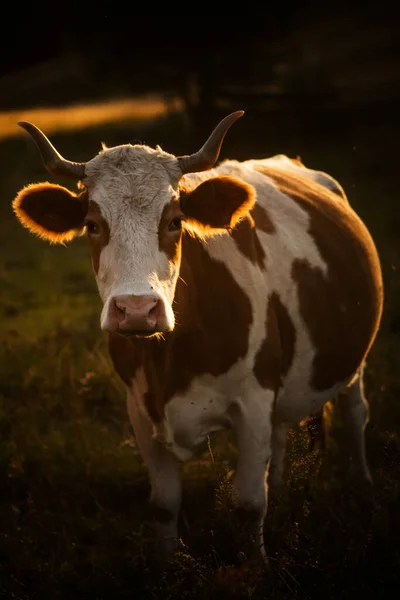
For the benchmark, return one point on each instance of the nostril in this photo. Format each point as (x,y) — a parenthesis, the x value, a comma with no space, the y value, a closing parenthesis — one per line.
(120,311)
(154,307)
(153,312)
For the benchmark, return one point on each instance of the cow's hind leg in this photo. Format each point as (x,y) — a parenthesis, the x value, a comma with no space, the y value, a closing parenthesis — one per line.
(316,433)
(278,461)
(357,416)
(164,473)
(252,426)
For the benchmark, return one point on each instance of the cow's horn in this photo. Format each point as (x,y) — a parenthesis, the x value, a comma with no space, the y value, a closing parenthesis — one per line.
(208,155)
(53,161)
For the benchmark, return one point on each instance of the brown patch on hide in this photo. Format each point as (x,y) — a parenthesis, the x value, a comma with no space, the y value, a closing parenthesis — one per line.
(246,238)
(275,356)
(262,219)
(126,355)
(248,243)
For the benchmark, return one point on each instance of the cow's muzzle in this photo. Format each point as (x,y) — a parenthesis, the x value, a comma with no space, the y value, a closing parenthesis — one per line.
(136,315)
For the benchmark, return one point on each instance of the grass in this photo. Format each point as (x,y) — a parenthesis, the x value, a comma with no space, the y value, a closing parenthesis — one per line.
(74,520)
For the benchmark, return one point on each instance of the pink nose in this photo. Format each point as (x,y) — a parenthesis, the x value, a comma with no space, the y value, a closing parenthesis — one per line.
(135,314)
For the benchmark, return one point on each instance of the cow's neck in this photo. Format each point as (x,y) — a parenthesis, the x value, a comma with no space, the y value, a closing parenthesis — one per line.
(213,318)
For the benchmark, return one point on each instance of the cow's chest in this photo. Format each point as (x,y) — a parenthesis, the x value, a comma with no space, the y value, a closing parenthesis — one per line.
(191,417)
(205,407)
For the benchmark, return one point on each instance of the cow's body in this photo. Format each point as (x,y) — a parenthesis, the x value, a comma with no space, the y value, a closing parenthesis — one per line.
(270,322)
(188,382)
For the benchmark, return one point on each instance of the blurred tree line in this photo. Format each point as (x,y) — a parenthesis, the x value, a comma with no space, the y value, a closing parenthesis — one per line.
(311,55)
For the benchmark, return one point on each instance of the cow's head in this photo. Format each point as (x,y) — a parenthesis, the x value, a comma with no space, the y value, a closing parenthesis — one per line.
(133,205)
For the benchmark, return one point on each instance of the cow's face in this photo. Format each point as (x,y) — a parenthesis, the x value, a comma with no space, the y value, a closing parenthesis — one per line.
(134,225)
(133,207)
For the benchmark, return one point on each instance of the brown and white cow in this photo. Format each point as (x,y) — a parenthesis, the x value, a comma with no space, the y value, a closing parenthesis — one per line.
(243,296)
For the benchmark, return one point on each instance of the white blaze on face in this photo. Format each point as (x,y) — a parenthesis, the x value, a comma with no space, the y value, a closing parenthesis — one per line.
(131,185)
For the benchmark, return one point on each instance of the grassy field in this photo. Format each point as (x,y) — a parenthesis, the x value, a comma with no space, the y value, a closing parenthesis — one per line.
(74,522)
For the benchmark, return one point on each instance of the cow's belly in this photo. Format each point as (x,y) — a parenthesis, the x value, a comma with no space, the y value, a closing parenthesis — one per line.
(209,404)
(296,400)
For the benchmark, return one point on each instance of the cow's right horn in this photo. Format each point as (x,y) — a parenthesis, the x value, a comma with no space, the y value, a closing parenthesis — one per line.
(53,161)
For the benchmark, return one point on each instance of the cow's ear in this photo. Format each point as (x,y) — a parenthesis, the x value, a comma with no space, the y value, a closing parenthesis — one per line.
(217,204)
(51,211)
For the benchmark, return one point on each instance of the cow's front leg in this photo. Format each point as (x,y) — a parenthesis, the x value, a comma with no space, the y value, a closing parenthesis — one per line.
(164,473)
(252,425)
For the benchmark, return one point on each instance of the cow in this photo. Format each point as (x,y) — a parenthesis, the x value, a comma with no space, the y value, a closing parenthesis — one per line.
(244,296)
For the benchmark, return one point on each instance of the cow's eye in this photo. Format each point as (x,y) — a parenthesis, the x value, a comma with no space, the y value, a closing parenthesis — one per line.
(175,224)
(92,227)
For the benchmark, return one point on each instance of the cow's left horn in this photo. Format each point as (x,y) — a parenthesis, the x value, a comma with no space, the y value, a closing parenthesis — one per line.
(208,155)
(53,161)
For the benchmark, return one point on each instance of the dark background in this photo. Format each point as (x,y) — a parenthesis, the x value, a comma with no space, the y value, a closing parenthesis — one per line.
(344,53)
(316,79)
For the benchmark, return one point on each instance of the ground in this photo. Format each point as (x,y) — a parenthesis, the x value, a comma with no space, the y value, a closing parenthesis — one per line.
(74,521)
